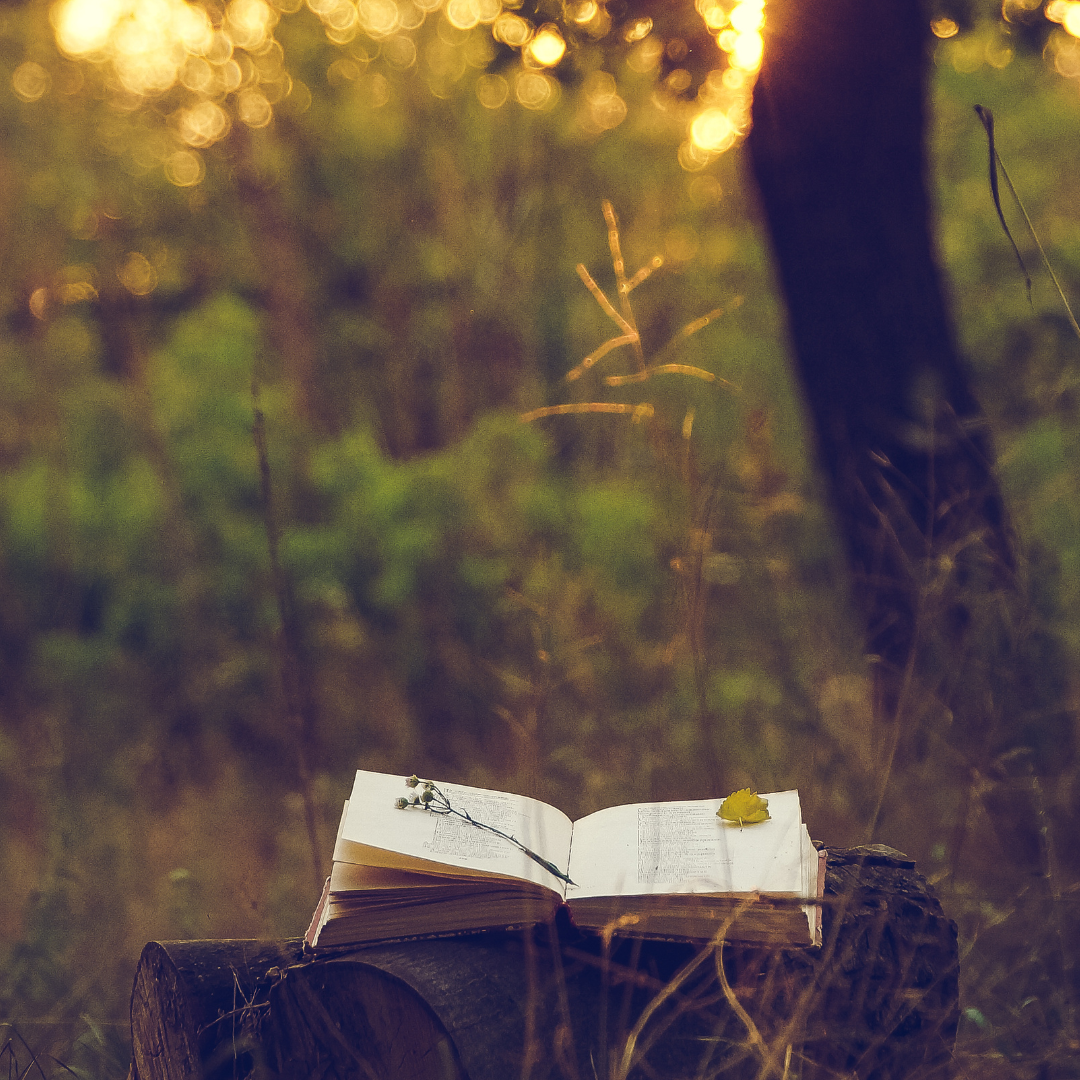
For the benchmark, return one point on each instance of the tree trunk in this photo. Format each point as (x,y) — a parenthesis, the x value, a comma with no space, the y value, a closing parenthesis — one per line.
(837,150)
(879,999)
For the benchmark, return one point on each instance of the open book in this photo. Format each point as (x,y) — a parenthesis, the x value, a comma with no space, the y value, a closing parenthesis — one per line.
(670,869)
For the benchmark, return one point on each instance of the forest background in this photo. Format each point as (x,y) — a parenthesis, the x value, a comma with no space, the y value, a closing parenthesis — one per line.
(341,282)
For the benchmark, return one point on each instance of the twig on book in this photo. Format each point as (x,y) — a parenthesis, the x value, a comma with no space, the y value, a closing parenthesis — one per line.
(434,800)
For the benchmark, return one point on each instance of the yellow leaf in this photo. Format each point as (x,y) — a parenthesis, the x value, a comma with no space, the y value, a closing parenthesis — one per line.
(746,807)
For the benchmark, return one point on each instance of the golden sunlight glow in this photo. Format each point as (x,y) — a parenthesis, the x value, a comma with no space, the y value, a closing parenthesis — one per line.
(251,23)
(84,26)
(152,46)
(722,116)
(547,48)
(1066,12)
(945,28)
(748,51)
(714,13)
(225,57)
(147,41)
(747,16)
(712,130)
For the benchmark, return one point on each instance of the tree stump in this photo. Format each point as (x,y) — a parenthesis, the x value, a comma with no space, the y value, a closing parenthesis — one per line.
(878,1000)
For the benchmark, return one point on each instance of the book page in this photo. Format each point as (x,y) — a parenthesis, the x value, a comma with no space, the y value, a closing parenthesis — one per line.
(683,847)
(445,840)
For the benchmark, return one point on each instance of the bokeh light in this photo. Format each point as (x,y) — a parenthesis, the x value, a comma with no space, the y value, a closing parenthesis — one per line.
(1019,10)
(462,14)
(253,108)
(722,116)
(39,303)
(714,13)
(147,41)
(1066,12)
(711,130)
(604,108)
(226,58)
(83,27)
(138,275)
(1063,53)
(30,81)
(154,46)
(945,28)
(548,47)
(400,51)
(535,90)
(512,30)
(645,55)
(251,22)
(184,168)
(377,18)
(492,91)
(203,124)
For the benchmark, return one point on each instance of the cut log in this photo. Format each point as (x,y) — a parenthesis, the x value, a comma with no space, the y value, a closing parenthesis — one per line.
(877,1000)
(194,1003)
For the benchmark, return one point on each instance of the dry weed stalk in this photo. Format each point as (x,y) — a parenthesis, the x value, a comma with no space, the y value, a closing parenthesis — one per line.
(293,669)
(664,439)
(626,321)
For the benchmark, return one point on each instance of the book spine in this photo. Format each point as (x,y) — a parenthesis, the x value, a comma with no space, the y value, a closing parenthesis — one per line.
(318,919)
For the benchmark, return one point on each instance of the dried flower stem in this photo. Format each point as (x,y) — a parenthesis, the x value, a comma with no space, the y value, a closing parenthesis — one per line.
(435,801)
